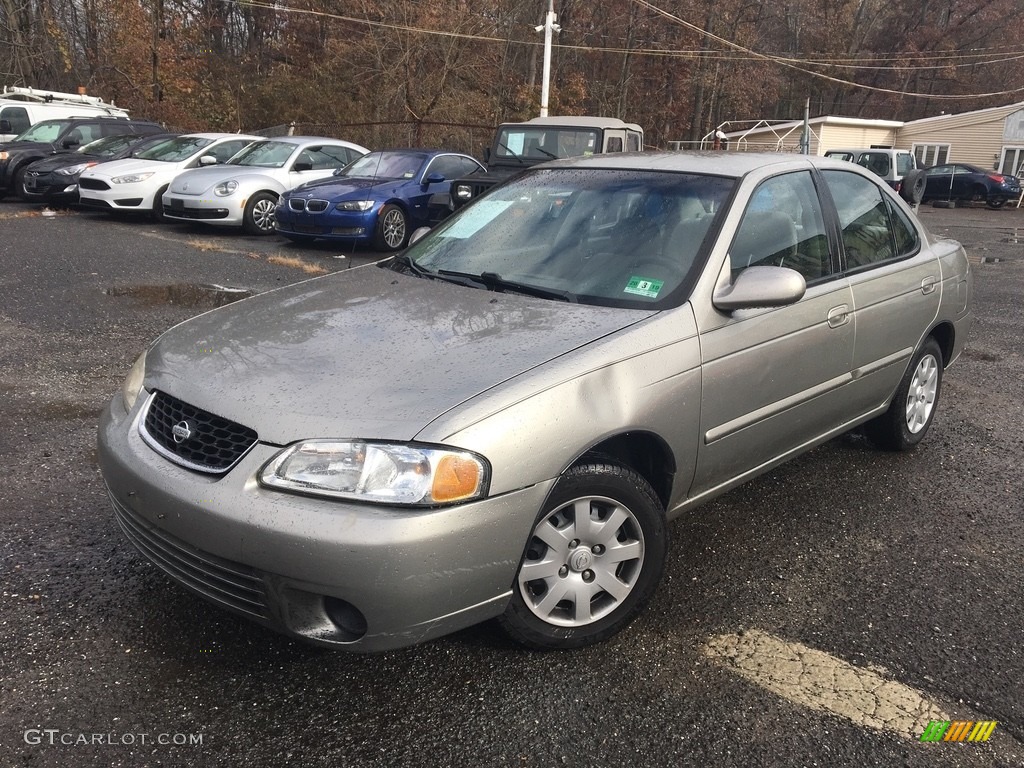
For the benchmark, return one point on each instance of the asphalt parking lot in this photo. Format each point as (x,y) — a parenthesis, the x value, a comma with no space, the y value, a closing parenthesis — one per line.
(823,614)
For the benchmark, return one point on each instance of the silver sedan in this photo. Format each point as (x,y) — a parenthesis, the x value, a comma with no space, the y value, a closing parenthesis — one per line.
(502,420)
(243,192)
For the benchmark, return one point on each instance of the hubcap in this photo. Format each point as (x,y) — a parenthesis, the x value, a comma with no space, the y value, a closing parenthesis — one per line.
(394,228)
(584,559)
(921,397)
(263,214)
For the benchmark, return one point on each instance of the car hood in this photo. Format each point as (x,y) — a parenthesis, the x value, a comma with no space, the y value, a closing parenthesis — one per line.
(14,146)
(200,179)
(340,187)
(368,353)
(63,160)
(133,165)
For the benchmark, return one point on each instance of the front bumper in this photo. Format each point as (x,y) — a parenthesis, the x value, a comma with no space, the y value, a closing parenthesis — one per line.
(51,187)
(225,211)
(358,576)
(332,223)
(115,197)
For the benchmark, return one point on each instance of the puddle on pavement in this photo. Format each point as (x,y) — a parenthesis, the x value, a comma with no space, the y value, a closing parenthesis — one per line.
(182,294)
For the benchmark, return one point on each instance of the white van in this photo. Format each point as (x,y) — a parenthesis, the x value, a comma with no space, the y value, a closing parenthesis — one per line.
(21,108)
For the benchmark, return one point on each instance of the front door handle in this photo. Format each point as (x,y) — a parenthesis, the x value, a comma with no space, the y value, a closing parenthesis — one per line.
(838,316)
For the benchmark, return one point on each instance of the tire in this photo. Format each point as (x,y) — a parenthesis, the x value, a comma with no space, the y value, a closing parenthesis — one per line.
(912,409)
(613,559)
(392,229)
(258,218)
(157,212)
(19,183)
(913,186)
(995,203)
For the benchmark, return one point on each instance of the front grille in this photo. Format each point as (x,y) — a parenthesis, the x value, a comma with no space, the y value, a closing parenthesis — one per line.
(93,184)
(313,206)
(192,437)
(221,581)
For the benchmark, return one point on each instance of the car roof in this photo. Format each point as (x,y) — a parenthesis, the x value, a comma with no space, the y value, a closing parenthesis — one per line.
(714,163)
(579,121)
(223,136)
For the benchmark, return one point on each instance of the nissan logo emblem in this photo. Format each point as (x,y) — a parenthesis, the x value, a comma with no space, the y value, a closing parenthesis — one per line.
(181,431)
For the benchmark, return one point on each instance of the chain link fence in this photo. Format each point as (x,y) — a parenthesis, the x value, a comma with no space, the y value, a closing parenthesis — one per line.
(458,137)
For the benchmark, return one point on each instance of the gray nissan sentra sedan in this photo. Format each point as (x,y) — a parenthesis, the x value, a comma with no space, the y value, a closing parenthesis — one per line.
(500,421)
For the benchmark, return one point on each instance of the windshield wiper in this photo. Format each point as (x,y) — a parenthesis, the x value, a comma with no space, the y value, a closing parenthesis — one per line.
(517,157)
(403,260)
(495,282)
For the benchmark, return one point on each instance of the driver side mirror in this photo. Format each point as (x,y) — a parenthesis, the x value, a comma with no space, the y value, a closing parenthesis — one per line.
(434,178)
(418,234)
(300,167)
(5,126)
(757,287)
(207,160)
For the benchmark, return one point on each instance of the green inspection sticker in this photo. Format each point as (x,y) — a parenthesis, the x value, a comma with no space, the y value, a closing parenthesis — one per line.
(641,286)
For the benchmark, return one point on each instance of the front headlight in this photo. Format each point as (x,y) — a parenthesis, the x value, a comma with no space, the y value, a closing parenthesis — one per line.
(463,191)
(133,383)
(133,178)
(73,170)
(225,188)
(385,473)
(355,205)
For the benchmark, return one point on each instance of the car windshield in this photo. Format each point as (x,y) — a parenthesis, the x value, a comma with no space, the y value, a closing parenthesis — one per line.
(546,143)
(611,237)
(175,150)
(385,165)
(108,146)
(264,154)
(47,130)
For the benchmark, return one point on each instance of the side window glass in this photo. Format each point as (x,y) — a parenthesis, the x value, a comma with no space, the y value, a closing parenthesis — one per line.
(633,142)
(783,227)
(332,157)
(469,167)
(864,218)
(90,132)
(904,232)
(18,118)
(614,143)
(224,152)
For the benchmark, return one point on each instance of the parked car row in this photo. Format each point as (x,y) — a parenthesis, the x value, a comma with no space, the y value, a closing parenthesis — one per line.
(947,182)
(305,187)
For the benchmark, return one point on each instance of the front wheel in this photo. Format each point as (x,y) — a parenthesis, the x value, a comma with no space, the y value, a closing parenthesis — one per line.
(391,229)
(157,212)
(593,559)
(910,415)
(258,217)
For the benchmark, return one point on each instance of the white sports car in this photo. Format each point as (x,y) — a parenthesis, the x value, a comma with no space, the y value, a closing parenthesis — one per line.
(244,191)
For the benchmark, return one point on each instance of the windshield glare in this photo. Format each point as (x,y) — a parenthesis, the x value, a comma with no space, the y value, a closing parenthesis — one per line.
(385,165)
(175,150)
(265,154)
(612,237)
(47,130)
(546,143)
(108,146)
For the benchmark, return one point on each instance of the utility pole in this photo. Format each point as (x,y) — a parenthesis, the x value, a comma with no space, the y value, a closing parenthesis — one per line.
(548,27)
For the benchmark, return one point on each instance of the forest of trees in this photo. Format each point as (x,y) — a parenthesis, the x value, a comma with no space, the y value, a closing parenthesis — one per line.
(680,68)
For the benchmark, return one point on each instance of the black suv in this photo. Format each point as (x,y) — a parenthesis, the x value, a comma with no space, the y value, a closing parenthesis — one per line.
(50,136)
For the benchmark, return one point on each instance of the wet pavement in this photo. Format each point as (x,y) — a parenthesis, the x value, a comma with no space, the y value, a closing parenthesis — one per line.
(811,617)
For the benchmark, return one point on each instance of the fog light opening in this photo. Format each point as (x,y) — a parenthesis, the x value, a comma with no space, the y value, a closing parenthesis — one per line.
(346,617)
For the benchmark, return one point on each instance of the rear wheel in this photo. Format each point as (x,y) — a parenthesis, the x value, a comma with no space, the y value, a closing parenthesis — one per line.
(995,202)
(593,559)
(391,229)
(912,409)
(258,218)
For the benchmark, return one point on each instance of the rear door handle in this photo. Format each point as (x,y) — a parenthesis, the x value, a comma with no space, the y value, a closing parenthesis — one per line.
(928,284)
(838,316)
